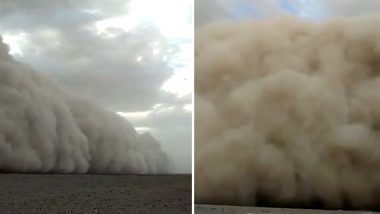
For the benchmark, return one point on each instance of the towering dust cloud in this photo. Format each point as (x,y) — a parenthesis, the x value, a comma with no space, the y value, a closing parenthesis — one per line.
(288,113)
(45,129)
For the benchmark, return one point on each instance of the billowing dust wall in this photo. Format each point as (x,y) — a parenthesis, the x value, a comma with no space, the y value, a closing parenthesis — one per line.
(287,112)
(46,129)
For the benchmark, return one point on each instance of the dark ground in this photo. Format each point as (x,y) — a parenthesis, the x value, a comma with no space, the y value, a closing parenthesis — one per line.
(221,209)
(51,193)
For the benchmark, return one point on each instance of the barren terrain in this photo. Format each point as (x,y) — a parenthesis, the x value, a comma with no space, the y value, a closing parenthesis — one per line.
(220,209)
(51,193)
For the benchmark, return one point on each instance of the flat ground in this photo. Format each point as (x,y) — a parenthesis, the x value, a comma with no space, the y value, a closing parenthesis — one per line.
(48,193)
(220,209)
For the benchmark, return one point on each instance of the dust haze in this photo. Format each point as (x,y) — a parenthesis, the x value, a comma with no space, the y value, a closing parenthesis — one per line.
(44,128)
(287,113)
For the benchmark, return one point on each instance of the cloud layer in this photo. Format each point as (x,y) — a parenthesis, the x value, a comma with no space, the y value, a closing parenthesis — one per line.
(47,129)
(232,10)
(287,113)
(127,55)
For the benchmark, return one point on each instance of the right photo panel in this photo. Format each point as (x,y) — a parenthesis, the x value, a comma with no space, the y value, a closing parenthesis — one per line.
(287,106)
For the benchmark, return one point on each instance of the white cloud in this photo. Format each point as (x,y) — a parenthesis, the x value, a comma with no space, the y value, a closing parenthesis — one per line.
(14,41)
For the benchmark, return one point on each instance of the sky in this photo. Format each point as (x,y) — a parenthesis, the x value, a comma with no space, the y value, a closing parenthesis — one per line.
(237,10)
(133,57)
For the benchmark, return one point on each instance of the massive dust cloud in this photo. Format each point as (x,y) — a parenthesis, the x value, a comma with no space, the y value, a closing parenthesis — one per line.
(45,129)
(287,113)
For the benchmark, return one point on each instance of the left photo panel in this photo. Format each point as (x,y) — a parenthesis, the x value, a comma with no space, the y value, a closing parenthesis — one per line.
(96,106)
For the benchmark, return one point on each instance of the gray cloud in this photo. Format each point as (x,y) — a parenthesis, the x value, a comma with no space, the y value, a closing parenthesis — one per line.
(104,69)
(349,7)
(227,10)
(222,10)
(208,11)
(60,39)
(164,121)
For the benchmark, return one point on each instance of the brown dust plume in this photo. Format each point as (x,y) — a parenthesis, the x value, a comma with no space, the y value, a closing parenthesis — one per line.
(44,128)
(287,113)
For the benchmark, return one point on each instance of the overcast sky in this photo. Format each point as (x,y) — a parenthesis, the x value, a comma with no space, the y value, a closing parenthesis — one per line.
(221,10)
(134,57)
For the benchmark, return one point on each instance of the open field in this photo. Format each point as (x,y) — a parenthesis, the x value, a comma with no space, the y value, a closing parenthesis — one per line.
(220,209)
(51,193)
